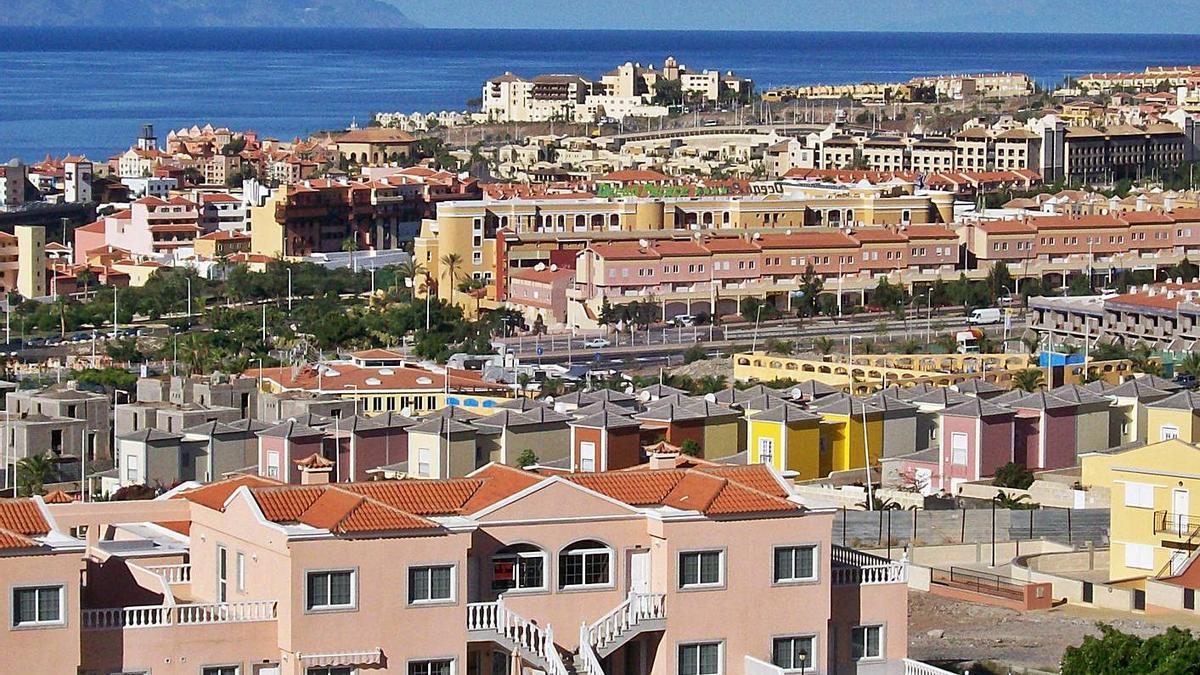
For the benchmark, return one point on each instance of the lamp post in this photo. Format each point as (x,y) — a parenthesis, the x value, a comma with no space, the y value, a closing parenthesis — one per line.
(866,440)
(802,657)
(289,271)
(189,299)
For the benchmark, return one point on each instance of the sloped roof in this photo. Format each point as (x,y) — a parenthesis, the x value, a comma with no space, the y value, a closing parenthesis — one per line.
(786,414)
(1041,400)
(977,386)
(1183,400)
(714,491)
(23,517)
(978,407)
(214,495)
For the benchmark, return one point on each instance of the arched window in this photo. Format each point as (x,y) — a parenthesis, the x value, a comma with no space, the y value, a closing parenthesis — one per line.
(586,563)
(519,567)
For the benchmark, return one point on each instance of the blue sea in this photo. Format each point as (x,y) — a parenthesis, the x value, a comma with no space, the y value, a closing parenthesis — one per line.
(87,91)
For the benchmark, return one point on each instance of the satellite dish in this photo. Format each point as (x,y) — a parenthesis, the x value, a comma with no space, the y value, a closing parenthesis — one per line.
(788,231)
(796,393)
(629,389)
(644,396)
(406,411)
(539,267)
(554,268)
(549,399)
(711,398)
(643,243)
(758,235)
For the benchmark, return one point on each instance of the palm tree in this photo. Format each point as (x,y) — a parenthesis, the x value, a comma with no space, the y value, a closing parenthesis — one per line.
(452,264)
(1029,379)
(1190,364)
(1021,502)
(350,245)
(33,472)
(410,269)
(823,345)
(84,277)
(523,381)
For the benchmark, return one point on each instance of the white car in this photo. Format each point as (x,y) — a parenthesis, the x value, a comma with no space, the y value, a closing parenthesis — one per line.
(596,343)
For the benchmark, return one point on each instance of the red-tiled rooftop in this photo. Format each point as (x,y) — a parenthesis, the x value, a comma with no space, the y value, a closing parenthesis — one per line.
(23,517)
(214,495)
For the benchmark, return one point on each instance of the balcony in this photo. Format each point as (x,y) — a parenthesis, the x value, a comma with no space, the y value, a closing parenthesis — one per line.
(158,616)
(1177,526)
(855,568)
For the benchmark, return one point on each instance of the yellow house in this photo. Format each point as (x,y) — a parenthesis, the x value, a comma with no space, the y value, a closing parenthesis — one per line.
(787,438)
(1175,416)
(843,433)
(1151,526)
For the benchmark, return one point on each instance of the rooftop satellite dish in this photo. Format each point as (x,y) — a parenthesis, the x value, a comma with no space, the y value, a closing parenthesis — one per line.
(758,235)
(643,243)
(644,396)
(629,389)
(788,231)
(406,411)
(549,399)
(539,267)
(554,268)
(796,393)
(711,398)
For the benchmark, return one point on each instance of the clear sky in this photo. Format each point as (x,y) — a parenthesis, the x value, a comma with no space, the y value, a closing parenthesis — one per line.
(1006,16)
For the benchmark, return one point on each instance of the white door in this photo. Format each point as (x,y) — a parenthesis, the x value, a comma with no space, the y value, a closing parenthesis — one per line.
(1179,510)
(1178,561)
(267,670)
(639,572)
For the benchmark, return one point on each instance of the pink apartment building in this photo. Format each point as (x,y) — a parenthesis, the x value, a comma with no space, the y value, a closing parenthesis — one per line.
(711,264)
(713,570)
(150,227)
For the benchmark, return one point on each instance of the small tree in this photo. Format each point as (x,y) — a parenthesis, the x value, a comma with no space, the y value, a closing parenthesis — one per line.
(823,345)
(692,448)
(694,353)
(527,458)
(1115,653)
(1029,379)
(1013,475)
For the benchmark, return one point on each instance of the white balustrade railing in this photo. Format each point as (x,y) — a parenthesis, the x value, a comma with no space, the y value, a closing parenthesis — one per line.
(524,634)
(179,615)
(635,608)
(173,574)
(917,668)
(868,575)
(589,663)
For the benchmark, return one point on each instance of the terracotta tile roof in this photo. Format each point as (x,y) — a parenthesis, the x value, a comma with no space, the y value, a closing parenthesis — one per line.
(929,232)
(183,527)
(214,495)
(422,497)
(710,490)
(341,511)
(11,541)
(314,461)
(23,517)
(809,240)
(1006,227)
(875,235)
(285,504)
(58,497)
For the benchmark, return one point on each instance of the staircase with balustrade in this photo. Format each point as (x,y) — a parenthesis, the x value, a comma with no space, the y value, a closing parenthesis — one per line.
(494,622)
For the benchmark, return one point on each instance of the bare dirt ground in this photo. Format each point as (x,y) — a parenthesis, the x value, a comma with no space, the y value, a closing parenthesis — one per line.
(945,631)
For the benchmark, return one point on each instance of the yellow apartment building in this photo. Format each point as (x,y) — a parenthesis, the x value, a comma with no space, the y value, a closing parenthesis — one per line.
(1152,529)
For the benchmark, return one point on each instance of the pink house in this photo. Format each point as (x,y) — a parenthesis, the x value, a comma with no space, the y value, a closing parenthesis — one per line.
(707,571)
(541,292)
(976,439)
(1045,431)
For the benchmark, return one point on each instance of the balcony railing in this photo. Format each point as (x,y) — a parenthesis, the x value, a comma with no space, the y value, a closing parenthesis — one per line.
(917,668)
(155,616)
(856,568)
(173,574)
(634,609)
(1178,524)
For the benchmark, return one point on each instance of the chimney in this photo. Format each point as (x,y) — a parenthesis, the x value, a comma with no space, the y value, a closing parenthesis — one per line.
(1169,203)
(1142,203)
(310,475)
(663,460)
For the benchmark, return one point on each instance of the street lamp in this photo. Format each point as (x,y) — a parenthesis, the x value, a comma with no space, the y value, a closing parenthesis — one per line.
(866,441)
(289,271)
(802,657)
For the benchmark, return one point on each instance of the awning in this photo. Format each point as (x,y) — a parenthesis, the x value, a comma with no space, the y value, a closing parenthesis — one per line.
(371,657)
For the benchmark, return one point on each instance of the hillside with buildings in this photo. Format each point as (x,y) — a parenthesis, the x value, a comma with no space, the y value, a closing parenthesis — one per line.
(203,13)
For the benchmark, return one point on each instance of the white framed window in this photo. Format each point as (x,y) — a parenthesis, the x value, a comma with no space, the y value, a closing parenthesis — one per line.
(221,670)
(222,574)
(699,569)
(430,584)
(1168,432)
(331,590)
(424,462)
(794,652)
(958,448)
(477,257)
(432,667)
(241,572)
(795,564)
(272,464)
(1139,495)
(866,642)
(521,567)
(701,658)
(587,456)
(766,450)
(1139,556)
(132,469)
(585,564)
(37,606)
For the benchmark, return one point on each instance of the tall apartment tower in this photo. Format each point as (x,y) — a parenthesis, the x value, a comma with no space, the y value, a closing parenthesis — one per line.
(77,179)
(31,260)
(147,140)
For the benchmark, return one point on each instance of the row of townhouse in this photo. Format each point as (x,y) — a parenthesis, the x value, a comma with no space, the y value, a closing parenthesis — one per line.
(705,571)
(1058,245)
(972,149)
(494,237)
(661,267)
(1161,316)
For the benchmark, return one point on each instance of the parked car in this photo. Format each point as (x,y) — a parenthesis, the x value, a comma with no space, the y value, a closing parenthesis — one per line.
(597,343)
(683,320)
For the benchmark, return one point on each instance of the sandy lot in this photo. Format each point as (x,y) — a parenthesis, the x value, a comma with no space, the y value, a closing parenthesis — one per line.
(944,631)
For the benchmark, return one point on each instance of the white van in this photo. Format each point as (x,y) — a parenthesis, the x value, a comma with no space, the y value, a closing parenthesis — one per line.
(985,316)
